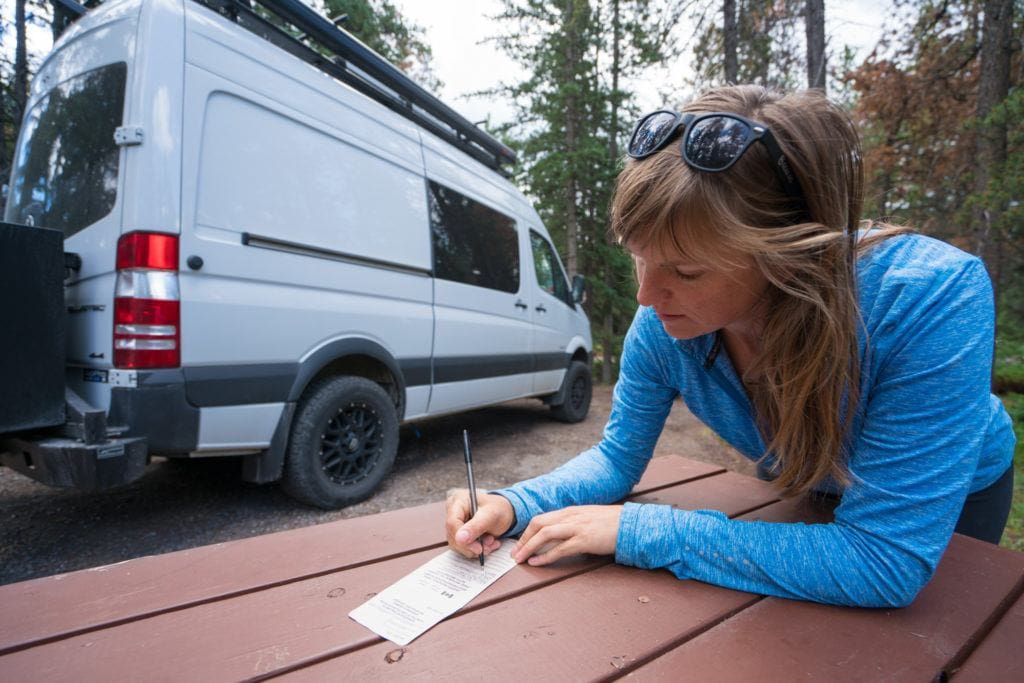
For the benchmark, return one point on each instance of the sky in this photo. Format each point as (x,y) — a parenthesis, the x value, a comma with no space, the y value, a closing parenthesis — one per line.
(465,63)
(455,30)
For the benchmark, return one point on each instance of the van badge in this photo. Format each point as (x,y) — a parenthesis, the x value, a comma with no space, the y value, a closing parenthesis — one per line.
(93,375)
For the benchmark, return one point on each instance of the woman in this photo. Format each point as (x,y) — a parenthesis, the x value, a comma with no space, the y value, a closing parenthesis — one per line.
(846,362)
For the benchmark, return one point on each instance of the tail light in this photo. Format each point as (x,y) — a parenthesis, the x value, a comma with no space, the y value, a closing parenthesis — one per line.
(147,304)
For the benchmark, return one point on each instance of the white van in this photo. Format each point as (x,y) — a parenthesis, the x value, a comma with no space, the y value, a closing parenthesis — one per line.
(280,255)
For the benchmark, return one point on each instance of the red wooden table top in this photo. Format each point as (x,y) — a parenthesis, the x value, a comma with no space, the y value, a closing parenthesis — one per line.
(276,606)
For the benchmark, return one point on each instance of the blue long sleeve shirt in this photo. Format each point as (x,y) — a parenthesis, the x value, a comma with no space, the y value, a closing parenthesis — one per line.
(928,431)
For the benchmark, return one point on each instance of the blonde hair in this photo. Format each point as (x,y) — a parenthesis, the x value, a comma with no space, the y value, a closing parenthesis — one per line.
(804,381)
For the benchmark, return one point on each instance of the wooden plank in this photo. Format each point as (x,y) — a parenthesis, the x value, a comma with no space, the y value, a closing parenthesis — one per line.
(670,470)
(1000,656)
(55,606)
(247,635)
(785,640)
(589,626)
(736,492)
(66,604)
(261,631)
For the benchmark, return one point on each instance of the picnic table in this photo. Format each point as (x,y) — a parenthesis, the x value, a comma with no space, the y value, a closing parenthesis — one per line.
(275,606)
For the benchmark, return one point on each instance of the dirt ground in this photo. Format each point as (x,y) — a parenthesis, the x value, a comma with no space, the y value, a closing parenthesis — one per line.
(178,505)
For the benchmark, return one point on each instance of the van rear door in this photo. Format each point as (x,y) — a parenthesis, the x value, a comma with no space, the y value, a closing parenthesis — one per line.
(68,175)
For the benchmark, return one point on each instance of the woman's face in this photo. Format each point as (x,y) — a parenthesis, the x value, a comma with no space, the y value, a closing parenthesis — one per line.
(692,300)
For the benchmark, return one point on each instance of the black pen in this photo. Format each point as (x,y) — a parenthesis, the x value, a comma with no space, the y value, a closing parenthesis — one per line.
(472,487)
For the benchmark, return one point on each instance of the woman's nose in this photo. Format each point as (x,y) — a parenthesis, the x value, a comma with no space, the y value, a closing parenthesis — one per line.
(649,288)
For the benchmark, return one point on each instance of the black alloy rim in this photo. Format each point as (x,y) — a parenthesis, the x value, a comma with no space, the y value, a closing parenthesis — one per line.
(579,392)
(351,444)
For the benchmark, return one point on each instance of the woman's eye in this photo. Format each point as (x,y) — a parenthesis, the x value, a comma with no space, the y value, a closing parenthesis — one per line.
(687,276)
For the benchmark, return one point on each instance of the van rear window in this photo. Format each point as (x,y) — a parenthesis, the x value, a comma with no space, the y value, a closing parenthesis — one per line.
(66,165)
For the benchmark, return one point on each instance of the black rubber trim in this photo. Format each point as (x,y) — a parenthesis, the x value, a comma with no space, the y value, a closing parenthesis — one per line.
(227,385)
(267,465)
(224,385)
(250,240)
(158,410)
(463,368)
(416,371)
(342,348)
(552,361)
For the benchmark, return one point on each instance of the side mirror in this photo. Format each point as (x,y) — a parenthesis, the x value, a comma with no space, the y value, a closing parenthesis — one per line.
(579,289)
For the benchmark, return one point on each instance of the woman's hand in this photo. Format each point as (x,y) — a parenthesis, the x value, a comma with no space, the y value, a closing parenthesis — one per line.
(470,537)
(570,531)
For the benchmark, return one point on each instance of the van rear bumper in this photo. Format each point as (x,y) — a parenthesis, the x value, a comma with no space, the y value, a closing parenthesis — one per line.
(67,462)
(94,450)
(157,409)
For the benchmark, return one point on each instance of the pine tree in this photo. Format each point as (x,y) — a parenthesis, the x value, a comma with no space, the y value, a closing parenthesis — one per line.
(381,25)
(761,33)
(574,116)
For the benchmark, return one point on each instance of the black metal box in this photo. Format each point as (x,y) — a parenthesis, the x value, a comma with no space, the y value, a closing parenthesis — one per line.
(33,327)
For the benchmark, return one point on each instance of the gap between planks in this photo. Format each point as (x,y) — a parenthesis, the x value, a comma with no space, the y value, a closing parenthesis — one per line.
(597,564)
(228,595)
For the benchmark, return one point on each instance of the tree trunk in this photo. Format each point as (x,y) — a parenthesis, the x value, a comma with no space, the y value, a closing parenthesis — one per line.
(572,118)
(814,22)
(20,61)
(993,87)
(730,41)
(608,325)
(5,169)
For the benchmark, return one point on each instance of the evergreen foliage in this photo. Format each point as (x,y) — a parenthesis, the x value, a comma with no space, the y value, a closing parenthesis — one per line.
(575,110)
(381,25)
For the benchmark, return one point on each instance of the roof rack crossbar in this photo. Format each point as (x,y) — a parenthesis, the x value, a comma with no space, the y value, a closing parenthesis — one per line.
(360,67)
(372,75)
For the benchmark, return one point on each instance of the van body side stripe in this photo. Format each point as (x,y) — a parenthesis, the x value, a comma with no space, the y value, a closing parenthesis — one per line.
(222,385)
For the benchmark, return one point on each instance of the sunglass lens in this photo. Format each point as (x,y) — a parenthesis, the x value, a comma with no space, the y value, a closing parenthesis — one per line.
(716,142)
(651,134)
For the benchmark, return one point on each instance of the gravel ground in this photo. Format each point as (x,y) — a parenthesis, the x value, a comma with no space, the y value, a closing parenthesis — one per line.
(178,505)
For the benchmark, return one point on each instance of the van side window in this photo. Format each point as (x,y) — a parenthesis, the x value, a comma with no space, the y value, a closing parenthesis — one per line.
(550,276)
(473,243)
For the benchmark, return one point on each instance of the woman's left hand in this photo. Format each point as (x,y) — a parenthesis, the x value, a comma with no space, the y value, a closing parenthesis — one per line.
(569,531)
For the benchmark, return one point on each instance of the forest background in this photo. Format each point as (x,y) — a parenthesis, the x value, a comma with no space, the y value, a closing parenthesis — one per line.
(938,100)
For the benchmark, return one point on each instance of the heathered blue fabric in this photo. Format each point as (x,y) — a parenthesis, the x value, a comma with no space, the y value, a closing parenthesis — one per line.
(927,433)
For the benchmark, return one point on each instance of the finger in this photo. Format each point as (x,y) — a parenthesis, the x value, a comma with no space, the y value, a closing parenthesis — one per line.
(470,535)
(491,544)
(547,534)
(537,523)
(552,552)
(456,512)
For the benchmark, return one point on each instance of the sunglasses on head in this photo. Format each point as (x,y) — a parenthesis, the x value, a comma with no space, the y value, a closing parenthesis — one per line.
(711,142)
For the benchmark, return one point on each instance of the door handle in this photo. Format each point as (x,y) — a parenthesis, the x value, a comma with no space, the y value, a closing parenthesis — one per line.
(521,304)
(541,309)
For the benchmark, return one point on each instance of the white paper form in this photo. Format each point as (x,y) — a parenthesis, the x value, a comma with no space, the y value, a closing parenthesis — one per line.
(417,601)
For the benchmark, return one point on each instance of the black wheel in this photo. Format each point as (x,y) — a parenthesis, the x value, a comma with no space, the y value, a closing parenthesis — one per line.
(577,394)
(343,442)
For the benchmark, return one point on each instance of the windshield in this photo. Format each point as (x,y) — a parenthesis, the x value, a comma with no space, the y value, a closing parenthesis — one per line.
(65,169)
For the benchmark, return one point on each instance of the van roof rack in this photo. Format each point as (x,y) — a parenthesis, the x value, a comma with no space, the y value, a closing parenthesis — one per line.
(344,57)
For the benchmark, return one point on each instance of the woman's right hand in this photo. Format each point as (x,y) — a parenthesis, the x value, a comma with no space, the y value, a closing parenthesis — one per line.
(471,536)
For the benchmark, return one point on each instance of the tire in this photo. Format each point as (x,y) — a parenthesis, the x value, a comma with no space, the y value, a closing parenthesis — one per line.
(578,389)
(343,442)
